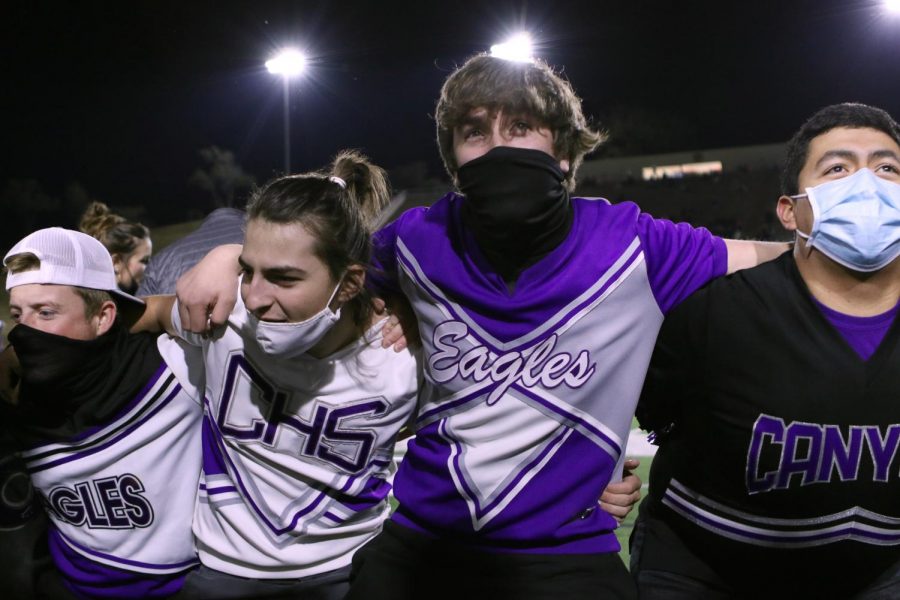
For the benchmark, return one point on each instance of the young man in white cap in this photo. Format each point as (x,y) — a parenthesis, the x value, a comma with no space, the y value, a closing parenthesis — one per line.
(109,431)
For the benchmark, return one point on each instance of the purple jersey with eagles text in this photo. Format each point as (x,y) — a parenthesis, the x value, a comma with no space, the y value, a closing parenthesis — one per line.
(528,394)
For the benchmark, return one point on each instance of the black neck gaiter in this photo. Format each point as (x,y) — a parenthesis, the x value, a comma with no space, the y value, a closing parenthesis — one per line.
(516,206)
(55,362)
(68,385)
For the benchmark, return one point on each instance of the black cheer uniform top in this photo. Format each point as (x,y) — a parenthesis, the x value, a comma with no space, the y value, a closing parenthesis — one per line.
(780,473)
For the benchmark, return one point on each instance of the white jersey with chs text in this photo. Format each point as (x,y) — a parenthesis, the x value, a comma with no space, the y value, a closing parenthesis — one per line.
(296,452)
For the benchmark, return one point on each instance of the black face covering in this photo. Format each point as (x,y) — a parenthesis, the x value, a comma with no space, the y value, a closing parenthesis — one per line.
(68,384)
(55,361)
(516,206)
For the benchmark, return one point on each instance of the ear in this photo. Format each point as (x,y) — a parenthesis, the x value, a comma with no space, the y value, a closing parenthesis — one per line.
(105,319)
(354,280)
(564,165)
(118,262)
(786,213)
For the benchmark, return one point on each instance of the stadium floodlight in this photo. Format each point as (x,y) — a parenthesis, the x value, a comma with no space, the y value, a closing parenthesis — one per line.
(288,63)
(892,6)
(518,48)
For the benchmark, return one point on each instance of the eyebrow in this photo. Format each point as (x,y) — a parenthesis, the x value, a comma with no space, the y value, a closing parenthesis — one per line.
(477,119)
(276,270)
(37,304)
(850,155)
(884,154)
(845,154)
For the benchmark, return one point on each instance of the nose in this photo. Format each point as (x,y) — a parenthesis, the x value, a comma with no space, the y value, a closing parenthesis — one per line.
(256,296)
(498,137)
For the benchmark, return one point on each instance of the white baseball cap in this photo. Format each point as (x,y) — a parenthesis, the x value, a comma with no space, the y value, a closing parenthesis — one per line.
(69,258)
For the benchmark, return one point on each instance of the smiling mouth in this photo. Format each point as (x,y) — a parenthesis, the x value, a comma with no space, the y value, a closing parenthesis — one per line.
(269,320)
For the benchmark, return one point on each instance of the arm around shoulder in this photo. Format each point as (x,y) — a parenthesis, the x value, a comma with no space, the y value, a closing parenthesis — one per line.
(207,292)
(157,317)
(743,254)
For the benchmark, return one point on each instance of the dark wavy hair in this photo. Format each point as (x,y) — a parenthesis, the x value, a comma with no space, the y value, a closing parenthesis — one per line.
(118,234)
(340,218)
(530,88)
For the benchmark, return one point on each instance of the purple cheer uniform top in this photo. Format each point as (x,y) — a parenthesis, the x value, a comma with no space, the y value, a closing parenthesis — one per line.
(528,395)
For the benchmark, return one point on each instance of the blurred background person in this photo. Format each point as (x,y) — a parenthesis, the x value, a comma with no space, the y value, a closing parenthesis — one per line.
(128,243)
(221,226)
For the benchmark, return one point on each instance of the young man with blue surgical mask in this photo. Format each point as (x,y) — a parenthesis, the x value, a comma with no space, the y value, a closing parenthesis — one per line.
(774,395)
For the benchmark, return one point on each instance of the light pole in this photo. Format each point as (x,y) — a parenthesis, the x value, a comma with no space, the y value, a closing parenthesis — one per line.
(287,63)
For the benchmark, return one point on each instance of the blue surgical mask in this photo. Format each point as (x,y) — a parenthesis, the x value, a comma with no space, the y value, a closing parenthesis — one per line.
(856,220)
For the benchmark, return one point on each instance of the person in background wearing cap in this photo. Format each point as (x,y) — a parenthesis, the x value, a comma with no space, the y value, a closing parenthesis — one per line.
(774,392)
(108,422)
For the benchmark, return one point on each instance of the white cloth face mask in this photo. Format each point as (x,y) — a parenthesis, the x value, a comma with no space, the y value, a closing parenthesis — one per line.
(286,340)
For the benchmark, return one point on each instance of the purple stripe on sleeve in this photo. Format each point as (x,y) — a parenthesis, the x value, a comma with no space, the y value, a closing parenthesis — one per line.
(373,493)
(382,277)
(213,461)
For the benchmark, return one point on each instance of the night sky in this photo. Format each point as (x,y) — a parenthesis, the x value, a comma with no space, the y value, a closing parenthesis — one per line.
(121,96)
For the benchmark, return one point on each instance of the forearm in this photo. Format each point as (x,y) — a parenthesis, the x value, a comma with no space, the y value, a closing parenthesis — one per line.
(157,317)
(743,254)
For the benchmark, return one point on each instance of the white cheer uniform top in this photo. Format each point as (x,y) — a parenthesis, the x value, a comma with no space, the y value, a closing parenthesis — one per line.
(296,452)
(120,495)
